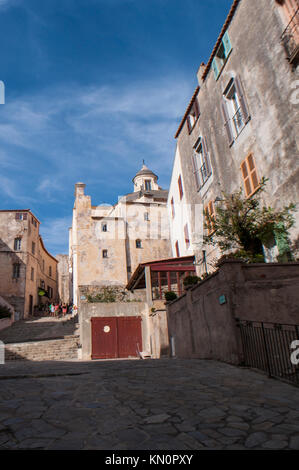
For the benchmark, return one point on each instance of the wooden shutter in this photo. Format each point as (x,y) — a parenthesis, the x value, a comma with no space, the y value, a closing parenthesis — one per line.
(206,155)
(215,68)
(227,123)
(227,44)
(195,170)
(177,249)
(242,99)
(250,176)
(172,208)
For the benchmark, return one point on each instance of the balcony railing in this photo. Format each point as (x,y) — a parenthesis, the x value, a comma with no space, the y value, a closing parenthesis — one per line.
(290,39)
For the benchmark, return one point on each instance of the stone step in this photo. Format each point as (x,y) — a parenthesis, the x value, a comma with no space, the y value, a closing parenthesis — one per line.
(53,349)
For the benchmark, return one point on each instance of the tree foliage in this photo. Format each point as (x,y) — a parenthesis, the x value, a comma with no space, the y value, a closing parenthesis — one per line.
(242,224)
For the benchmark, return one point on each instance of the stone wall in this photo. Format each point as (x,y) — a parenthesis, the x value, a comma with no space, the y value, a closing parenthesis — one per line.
(202,322)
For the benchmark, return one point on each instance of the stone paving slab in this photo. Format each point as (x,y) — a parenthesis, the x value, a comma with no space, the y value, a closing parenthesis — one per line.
(162,404)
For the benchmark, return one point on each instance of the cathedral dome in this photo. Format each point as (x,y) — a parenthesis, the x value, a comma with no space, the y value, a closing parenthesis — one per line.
(145,171)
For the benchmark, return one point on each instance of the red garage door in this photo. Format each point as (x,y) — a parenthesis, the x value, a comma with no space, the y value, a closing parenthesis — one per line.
(114,337)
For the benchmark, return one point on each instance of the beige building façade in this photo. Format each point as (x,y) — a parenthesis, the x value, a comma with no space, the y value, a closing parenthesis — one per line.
(107,243)
(28,272)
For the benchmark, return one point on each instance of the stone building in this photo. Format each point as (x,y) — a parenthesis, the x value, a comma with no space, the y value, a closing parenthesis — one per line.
(107,243)
(241,123)
(64,281)
(28,272)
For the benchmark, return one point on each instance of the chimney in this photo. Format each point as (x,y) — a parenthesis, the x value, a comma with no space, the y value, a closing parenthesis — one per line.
(79,189)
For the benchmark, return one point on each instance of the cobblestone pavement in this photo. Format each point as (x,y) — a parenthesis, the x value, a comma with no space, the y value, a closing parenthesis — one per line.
(153,405)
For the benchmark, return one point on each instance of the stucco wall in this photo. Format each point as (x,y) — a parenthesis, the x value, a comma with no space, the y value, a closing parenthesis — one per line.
(204,327)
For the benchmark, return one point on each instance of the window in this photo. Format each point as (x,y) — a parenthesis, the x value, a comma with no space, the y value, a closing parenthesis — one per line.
(32,274)
(42,284)
(172,208)
(235,110)
(177,250)
(180,187)
(138,243)
(33,221)
(17,244)
(50,271)
(105,253)
(290,37)
(21,216)
(146,216)
(210,217)
(104,227)
(187,239)
(221,55)
(50,292)
(201,163)
(33,248)
(43,264)
(249,175)
(16,270)
(193,116)
(148,185)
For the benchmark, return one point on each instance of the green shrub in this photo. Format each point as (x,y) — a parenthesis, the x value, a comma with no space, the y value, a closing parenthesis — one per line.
(169,296)
(191,280)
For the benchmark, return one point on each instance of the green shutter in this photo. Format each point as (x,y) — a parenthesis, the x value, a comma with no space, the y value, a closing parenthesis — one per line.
(215,68)
(226,43)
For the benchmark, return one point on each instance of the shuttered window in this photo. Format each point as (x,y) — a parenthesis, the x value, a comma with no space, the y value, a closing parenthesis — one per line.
(177,249)
(234,107)
(17,244)
(249,175)
(201,163)
(210,217)
(193,116)
(221,55)
(180,187)
(172,208)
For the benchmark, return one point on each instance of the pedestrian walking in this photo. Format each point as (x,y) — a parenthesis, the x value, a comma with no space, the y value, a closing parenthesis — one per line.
(64,309)
(52,310)
(56,310)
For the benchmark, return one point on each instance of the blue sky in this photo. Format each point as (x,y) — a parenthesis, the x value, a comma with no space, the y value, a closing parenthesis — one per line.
(93,87)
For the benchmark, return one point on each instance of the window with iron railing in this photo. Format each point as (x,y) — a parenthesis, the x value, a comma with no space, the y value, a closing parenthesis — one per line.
(201,163)
(235,111)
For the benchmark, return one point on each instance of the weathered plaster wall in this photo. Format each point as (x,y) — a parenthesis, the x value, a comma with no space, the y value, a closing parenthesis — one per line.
(204,327)
(269,82)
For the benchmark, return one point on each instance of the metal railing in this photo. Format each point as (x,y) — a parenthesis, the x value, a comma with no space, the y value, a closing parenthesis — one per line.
(271,347)
(290,38)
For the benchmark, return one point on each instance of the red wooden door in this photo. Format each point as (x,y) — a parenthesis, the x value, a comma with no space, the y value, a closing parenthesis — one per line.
(104,338)
(129,336)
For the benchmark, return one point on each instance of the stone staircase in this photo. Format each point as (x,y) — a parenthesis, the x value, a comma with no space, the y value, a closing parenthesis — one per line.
(44,350)
(42,339)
